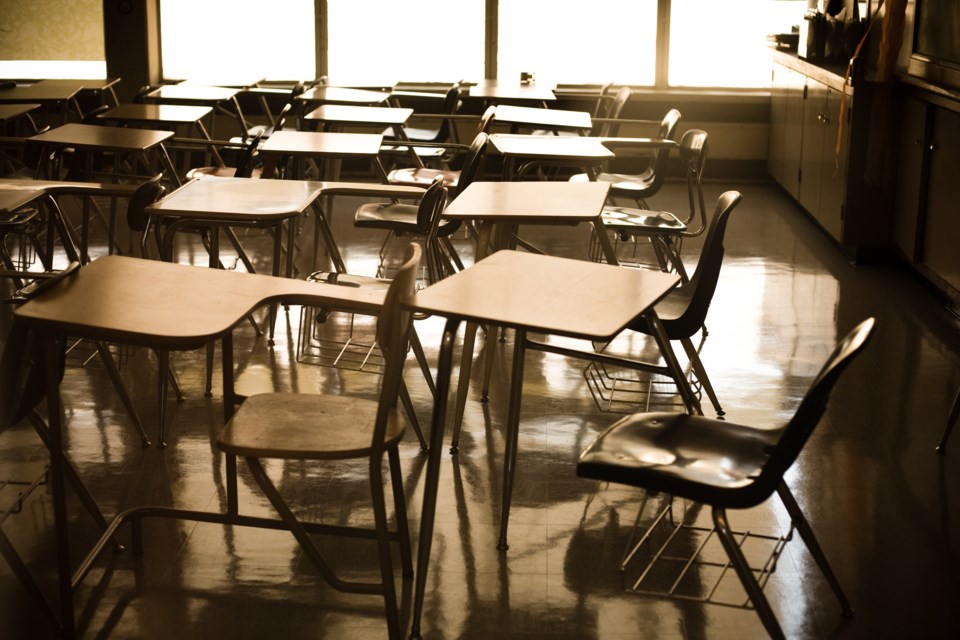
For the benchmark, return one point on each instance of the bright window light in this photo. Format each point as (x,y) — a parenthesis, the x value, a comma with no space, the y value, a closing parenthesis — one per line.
(723,44)
(597,42)
(237,42)
(61,69)
(382,42)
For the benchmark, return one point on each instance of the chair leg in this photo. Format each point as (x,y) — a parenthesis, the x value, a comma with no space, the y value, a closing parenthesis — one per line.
(701,374)
(383,546)
(951,421)
(806,532)
(421,357)
(400,507)
(163,377)
(745,574)
(26,579)
(412,415)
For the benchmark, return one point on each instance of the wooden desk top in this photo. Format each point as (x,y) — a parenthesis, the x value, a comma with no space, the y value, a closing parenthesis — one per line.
(88,84)
(551,147)
(172,306)
(559,296)
(40,92)
(323,143)
(543,118)
(15,193)
(530,202)
(11,111)
(228,199)
(191,93)
(102,137)
(350,114)
(505,90)
(343,95)
(163,113)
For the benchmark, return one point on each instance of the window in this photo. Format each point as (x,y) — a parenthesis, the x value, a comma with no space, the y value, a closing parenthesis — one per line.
(237,41)
(41,39)
(381,42)
(723,44)
(597,42)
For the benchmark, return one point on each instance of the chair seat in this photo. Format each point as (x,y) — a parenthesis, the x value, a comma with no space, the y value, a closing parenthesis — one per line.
(694,457)
(303,426)
(640,221)
(427,153)
(401,218)
(416,134)
(219,172)
(422,177)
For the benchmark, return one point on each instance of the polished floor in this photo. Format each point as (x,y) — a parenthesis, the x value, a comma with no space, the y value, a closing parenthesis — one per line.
(885,506)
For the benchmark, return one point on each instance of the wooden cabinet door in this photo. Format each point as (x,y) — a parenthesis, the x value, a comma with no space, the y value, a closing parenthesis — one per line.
(911,164)
(833,165)
(941,245)
(811,152)
(793,131)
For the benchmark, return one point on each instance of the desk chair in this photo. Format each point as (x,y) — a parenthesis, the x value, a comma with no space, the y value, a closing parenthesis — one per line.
(454,180)
(682,312)
(664,229)
(724,465)
(22,389)
(642,185)
(422,220)
(445,131)
(291,426)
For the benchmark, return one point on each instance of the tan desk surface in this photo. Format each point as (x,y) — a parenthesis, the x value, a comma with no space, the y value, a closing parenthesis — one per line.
(192,93)
(505,90)
(15,193)
(102,137)
(172,306)
(550,147)
(323,143)
(530,202)
(164,113)
(559,296)
(42,93)
(350,114)
(343,95)
(543,118)
(216,198)
(10,111)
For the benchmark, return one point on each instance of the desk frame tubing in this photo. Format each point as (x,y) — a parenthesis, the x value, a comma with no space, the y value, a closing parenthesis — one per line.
(432,481)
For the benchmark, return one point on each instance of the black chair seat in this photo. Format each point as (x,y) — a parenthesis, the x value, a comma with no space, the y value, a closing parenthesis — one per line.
(423,177)
(401,218)
(694,457)
(627,220)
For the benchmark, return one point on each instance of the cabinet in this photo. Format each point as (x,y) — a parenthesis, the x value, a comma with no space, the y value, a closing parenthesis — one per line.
(926,227)
(804,127)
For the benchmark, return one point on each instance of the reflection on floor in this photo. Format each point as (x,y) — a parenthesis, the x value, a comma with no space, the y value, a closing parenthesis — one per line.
(885,506)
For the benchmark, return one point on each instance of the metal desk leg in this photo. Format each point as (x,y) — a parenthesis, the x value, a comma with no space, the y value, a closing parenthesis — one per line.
(604,239)
(432,482)
(513,434)
(51,356)
(951,421)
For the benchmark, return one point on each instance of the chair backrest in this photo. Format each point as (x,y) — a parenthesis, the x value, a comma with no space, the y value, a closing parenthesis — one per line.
(146,194)
(246,160)
(612,129)
(90,117)
(702,285)
(658,165)
(451,104)
(393,336)
(796,433)
(487,119)
(431,204)
(281,120)
(473,162)
(693,159)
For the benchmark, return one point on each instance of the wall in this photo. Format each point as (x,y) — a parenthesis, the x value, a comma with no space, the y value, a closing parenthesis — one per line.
(51,30)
